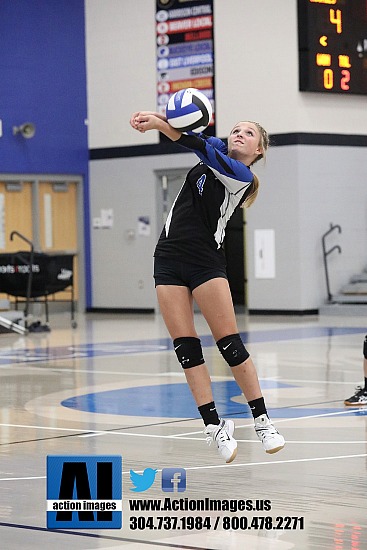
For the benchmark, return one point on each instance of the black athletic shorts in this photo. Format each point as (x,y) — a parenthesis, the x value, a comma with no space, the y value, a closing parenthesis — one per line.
(168,271)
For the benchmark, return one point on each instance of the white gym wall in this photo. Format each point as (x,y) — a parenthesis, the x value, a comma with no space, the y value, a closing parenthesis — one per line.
(304,187)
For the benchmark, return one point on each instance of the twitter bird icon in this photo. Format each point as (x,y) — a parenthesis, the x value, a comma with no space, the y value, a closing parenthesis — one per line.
(143,481)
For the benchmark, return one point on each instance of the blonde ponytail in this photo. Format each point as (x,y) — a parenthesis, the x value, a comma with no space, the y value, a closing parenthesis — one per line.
(254,191)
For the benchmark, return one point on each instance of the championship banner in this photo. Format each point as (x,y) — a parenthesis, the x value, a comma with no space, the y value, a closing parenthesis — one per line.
(185,50)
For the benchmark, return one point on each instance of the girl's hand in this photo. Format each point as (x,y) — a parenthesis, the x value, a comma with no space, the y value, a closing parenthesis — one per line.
(136,119)
(148,120)
(133,120)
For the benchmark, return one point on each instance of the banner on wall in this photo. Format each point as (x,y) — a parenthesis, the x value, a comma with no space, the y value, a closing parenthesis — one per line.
(185,50)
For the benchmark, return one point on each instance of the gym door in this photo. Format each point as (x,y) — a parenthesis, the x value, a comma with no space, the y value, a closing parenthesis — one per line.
(58,222)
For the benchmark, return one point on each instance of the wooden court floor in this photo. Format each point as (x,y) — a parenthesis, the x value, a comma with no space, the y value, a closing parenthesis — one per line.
(113,387)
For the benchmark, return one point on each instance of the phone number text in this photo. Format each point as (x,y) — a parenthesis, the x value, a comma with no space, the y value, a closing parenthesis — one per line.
(242,523)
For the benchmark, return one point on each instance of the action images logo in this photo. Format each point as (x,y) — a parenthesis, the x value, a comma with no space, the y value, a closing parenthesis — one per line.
(84,492)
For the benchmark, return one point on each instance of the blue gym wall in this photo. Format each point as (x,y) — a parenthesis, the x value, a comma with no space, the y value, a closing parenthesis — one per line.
(43,81)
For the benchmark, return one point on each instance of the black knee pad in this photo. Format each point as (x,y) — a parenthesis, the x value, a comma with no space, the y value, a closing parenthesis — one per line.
(233,349)
(189,352)
(365,347)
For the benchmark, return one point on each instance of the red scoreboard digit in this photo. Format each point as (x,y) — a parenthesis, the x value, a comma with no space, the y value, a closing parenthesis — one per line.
(332,40)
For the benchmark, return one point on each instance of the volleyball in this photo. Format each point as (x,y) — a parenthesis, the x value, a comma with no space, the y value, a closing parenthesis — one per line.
(189,110)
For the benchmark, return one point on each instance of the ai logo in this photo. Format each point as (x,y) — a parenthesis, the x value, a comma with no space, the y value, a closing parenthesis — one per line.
(84,492)
(173,479)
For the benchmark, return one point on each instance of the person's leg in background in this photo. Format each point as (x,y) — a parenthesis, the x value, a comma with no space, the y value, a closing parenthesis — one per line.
(360,396)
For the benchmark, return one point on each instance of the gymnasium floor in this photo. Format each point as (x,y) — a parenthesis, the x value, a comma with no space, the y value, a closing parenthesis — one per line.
(113,387)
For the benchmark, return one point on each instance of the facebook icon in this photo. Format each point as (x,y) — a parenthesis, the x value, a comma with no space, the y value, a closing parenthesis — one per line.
(173,479)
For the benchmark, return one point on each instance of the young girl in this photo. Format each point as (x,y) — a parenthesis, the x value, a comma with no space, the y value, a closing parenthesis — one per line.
(189,264)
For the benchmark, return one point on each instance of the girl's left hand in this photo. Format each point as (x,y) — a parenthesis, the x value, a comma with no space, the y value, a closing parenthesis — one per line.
(144,120)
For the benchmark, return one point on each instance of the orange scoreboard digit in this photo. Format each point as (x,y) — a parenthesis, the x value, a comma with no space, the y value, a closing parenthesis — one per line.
(332,40)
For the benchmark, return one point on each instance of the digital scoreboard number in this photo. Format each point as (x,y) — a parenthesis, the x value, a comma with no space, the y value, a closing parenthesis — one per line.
(332,36)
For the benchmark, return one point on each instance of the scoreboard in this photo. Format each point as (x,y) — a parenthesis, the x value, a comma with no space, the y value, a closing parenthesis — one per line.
(332,39)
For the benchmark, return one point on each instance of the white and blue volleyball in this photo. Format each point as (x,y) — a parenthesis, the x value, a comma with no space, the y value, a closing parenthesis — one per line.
(189,110)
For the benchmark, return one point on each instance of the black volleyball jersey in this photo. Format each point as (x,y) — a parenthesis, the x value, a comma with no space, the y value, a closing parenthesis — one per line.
(195,227)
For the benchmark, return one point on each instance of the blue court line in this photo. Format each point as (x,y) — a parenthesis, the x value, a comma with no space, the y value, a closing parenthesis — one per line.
(29,355)
(175,401)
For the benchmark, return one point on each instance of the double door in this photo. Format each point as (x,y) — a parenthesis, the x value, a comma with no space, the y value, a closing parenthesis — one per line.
(43,210)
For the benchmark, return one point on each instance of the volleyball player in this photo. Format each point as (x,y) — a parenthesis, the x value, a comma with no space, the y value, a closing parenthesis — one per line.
(189,265)
(360,396)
